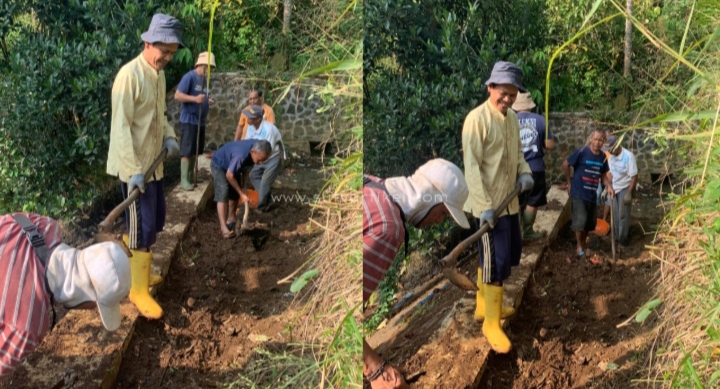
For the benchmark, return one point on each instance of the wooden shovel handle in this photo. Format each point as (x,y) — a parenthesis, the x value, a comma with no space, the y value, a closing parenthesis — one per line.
(106,224)
(462,246)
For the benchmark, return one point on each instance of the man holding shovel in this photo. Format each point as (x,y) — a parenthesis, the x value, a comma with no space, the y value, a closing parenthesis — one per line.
(195,104)
(624,171)
(494,165)
(139,131)
(37,270)
(436,190)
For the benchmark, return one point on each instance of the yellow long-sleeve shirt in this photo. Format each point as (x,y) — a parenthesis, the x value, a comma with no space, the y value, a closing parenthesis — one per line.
(492,153)
(139,125)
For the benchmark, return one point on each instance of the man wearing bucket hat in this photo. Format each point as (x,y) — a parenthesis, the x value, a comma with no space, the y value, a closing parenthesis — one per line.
(263,176)
(255,97)
(494,165)
(590,167)
(436,190)
(195,104)
(534,144)
(37,270)
(139,130)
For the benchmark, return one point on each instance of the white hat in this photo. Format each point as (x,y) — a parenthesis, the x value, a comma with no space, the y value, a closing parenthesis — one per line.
(203,59)
(99,273)
(449,180)
(524,102)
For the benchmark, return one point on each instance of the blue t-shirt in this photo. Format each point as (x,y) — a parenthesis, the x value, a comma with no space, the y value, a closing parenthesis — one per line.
(234,156)
(532,136)
(192,84)
(588,168)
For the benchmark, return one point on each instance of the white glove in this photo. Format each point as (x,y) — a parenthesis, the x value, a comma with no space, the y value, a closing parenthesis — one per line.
(488,217)
(138,181)
(526,182)
(172,147)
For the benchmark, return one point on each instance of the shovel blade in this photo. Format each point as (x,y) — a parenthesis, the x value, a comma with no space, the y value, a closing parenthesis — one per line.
(458,279)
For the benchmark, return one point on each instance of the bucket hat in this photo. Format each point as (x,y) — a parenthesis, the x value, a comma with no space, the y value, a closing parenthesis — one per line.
(507,73)
(164,29)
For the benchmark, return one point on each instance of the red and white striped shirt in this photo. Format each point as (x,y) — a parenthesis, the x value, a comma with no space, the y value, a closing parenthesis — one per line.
(383,234)
(24,304)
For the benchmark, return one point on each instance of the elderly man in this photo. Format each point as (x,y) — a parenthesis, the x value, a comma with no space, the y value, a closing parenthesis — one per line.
(226,166)
(263,176)
(589,168)
(494,165)
(623,171)
(194,108)
(255,97)
(138,132)
(436,190)
(37,270)
(534,144)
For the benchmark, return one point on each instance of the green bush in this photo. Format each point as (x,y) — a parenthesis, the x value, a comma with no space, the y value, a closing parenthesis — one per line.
(55,100)
(425,66)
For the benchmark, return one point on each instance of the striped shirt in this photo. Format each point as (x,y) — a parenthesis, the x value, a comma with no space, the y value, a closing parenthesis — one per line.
(24,304)
(383,234)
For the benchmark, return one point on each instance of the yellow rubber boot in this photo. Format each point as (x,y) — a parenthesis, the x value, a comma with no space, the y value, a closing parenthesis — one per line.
(491,326)
(139,292)
(480,302)
(154,279)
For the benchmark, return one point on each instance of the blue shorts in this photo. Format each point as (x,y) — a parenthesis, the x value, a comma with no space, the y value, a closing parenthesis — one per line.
(145,217)
(500,249)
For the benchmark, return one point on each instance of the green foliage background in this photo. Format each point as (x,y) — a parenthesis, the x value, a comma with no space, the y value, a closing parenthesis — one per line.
(58,60)
(426,63)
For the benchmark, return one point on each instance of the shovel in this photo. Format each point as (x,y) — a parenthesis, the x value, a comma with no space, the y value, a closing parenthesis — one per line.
(104,234)
(450,261)
(612,225)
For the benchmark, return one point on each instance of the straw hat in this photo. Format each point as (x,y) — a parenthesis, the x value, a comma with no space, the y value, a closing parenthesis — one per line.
(523,102)
(203,59)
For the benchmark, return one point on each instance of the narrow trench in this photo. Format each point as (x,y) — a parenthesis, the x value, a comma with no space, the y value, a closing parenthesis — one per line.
(220,300)
(565,334)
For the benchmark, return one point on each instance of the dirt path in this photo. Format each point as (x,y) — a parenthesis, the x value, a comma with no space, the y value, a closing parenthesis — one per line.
(221,300)
(565,334)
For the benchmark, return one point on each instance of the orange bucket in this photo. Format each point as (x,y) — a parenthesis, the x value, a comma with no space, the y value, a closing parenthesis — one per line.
(253,197)
(601,227)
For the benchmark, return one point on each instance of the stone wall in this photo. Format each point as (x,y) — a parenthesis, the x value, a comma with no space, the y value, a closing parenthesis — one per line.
(296,114)
(572,130)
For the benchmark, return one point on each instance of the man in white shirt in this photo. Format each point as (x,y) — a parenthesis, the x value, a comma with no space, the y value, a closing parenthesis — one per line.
(623,167)
(264,175)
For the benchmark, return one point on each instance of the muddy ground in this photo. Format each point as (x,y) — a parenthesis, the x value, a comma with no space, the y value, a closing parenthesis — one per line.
(565,335)
(220,301)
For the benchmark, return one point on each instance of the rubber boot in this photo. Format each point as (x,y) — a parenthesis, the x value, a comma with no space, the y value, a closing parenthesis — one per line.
(154,279)
(184,169)
(191,172)
(491,326)
(139,291)
(480,301)
(528,220)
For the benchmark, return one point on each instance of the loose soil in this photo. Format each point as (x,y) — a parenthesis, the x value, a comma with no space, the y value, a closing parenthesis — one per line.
(221,299)
(565,335)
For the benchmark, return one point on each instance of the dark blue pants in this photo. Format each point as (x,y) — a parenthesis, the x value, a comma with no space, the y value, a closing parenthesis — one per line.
(500,249)
(145,217)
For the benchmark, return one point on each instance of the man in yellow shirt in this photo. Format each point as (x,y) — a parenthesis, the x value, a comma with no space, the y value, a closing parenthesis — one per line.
(255,97)
(138,132)
(494,164)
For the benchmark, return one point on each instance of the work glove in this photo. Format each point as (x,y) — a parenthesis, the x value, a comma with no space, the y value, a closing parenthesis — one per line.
(172,147)
(627,200)
(488,217)
(138,181)
(525,181)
